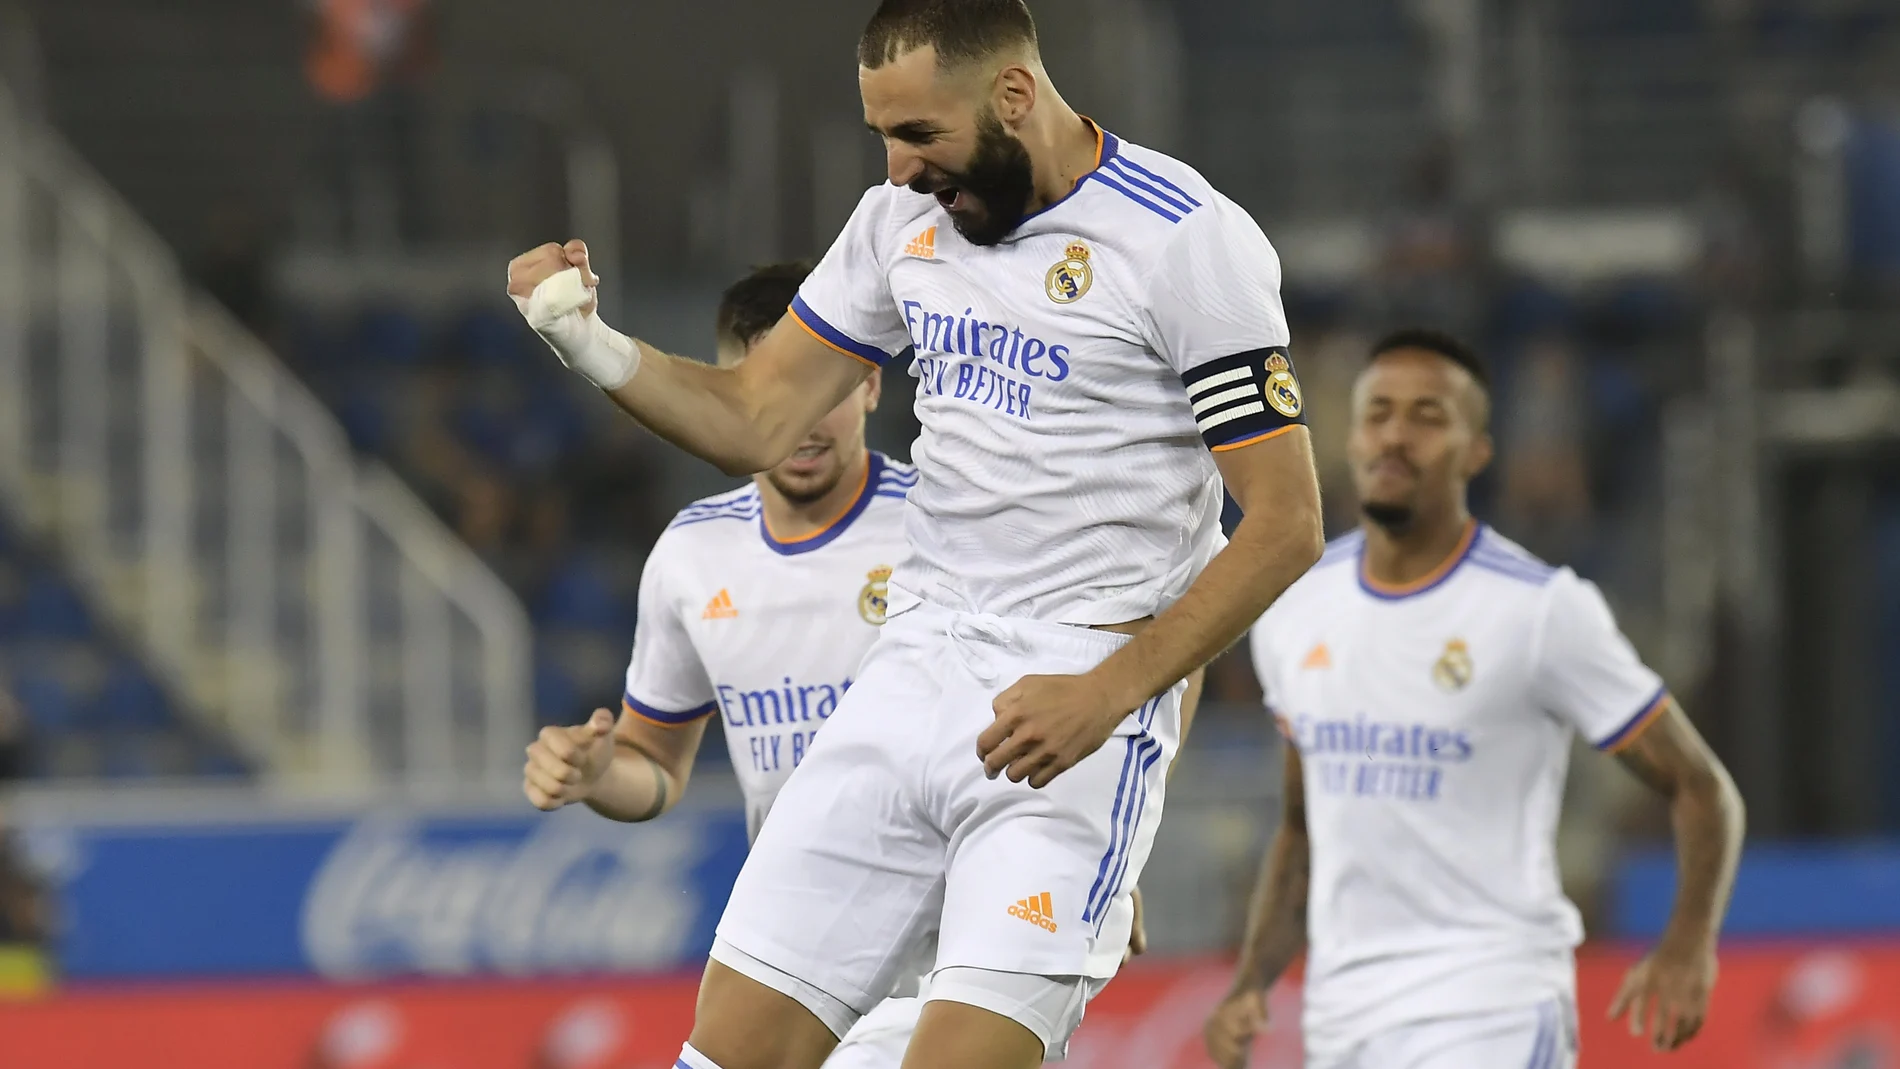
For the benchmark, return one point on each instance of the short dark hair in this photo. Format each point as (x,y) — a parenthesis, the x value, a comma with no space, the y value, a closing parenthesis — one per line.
(962,31)
(1439,342)
(752,306)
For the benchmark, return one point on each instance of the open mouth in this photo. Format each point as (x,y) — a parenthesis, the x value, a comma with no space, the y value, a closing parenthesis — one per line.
(952,198)
(808,459)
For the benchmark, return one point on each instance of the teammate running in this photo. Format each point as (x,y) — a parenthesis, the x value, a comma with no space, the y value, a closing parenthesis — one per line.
(1431,675)
(1099,342)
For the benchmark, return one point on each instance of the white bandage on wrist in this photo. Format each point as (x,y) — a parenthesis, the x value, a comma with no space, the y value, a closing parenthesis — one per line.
(598,352)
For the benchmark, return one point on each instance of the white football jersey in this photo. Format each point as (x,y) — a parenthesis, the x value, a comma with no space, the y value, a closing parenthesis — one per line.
(767,634)
(1070,382)
(1434,725)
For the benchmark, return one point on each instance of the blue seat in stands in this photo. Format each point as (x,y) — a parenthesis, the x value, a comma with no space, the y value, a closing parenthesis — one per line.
(556,699)
(217,762)
(131,699)
(52,609)
(12,606)
(364,419)
(581,595)
(489,337)
(387,336)
(49,705)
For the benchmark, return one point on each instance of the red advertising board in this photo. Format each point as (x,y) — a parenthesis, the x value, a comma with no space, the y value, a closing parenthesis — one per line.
(1775,1008)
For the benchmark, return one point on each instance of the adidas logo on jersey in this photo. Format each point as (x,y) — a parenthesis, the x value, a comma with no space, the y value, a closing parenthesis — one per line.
(1037,910)
(923,246)
(720,607)
(1319,657)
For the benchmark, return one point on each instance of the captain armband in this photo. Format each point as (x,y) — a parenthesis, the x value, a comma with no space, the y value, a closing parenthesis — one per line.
(1246,397)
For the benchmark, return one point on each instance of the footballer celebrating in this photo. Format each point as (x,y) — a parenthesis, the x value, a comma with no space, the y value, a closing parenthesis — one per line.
(1099,348)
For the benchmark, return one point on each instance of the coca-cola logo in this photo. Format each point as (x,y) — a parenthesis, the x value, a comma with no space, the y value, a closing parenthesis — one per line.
(577,893)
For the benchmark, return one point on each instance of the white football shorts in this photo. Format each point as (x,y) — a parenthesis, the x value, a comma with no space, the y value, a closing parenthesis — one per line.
(1543,1036)
(889,831)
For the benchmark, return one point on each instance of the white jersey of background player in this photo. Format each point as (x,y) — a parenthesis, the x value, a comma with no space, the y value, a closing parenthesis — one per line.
(1090,320)
(1431,675)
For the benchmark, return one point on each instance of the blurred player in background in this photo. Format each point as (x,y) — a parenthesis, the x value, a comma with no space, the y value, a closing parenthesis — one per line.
(1430,676)
(756,606)
(1099,343)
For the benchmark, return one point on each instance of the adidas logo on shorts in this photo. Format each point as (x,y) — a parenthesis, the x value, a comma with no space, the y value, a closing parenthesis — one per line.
(1037,910)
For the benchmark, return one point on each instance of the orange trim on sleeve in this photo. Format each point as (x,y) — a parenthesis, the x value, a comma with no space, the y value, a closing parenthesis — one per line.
(629,709)
(826,342)
(1433,576)
(1641,724)
(1244,442)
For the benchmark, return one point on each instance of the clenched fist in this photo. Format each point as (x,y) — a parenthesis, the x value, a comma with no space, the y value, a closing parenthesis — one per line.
(536,266)
(565,763)
(557,293)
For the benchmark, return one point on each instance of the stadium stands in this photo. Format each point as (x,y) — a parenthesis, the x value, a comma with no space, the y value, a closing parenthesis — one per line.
(548,484)
(92,707)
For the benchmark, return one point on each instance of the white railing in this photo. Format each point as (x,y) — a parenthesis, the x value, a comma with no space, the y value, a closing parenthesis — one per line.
(212,506)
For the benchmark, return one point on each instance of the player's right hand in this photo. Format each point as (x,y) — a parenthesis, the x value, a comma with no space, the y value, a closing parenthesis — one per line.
(1230,1029)
(536,266)
(565,763)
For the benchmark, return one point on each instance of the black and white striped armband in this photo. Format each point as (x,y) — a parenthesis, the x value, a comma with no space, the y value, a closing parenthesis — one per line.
(1241,399)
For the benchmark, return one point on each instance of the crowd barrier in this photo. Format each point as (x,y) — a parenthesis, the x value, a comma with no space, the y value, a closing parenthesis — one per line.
(1817,1007)
(385,895)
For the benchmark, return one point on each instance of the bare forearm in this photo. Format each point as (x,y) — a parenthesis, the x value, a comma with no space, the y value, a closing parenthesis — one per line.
(1708,821)
(1269,551)
(702,409)
(1276,917)
(1706,814)
(635,788)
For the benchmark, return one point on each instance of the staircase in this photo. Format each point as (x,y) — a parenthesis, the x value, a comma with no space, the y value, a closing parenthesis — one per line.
(211,508)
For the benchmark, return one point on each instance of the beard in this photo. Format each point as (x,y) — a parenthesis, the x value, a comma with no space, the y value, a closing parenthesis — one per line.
(997,184)
(803,489)
(1392,518)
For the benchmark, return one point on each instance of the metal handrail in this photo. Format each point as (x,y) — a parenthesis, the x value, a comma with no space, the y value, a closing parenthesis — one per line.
(251,565)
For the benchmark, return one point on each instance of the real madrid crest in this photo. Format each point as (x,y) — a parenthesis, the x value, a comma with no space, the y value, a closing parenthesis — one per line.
(1453,670)
(875,598)
(1282,389)
(1069,279)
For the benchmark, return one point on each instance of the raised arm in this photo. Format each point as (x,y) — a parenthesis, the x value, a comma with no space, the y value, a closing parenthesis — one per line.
(1705,811)
(1276,927)
(742,419)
